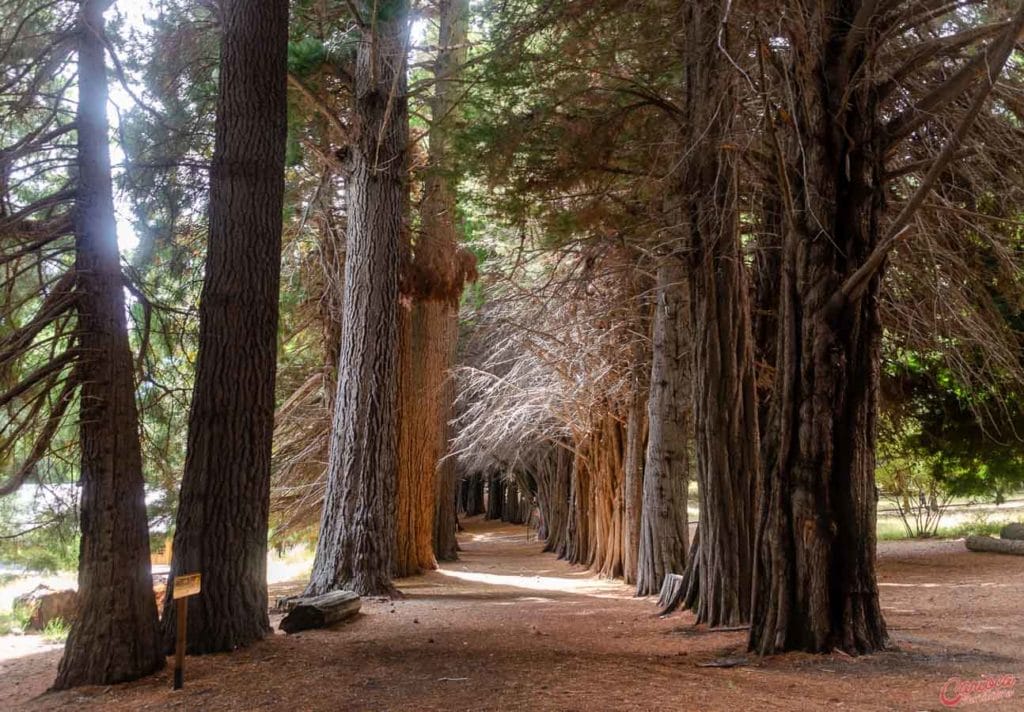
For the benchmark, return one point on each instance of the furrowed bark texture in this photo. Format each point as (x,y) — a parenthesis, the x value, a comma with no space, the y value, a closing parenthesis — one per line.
(633,466)
(509,501)
(814,580)
(116,635)
(495,496)
(725,400)
(419,442)
(607,503)
(446,521)
(471,500)
(357,524)
(434,285)
(518,499)
(663,523)
(764,317)
(553,498)
(222,517)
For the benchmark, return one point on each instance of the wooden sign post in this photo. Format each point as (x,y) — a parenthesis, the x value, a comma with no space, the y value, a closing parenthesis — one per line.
(184,586)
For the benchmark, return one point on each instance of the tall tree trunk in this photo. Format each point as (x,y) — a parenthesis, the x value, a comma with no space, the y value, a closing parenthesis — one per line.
(446,523)
(633,466)
(225,492)
(436,278)
(422,373)
(584,524)
(357,524)
(725,401)
(663,522)
(815,586)
(474,490)
(116,635)
(553,497)
(495,496)
(767,271)
(509,501)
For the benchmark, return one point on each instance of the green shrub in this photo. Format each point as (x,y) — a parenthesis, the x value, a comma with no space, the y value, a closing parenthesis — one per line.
(13,622)
(56,631)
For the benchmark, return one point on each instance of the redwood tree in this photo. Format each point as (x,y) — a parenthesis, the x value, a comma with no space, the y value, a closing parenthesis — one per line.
(355,549)
(221,527)
(725,403)
(663,520)
(434,281)
(815,587)
(115,636)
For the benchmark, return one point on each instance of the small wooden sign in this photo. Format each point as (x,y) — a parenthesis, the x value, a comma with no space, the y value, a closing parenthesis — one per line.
(184,586)
(187,585)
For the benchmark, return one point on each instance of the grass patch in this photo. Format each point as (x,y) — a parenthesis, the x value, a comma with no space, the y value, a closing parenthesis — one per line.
(13,622)
(887,529)
(967,528)
(56,631)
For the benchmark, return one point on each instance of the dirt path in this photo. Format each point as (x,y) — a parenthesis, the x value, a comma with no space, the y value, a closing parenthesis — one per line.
(509,628)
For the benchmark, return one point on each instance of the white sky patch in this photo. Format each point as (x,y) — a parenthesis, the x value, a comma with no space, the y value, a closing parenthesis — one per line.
(135,14)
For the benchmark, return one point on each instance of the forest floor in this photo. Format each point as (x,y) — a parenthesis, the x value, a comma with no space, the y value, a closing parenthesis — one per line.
(507,627)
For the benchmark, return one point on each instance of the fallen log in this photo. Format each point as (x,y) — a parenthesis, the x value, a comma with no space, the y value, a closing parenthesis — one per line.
(998,546)
(320,611)
(1014,530)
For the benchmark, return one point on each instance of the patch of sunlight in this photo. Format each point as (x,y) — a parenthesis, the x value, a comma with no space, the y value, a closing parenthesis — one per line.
(593,587)
(22,646)
(528,537)
(289,568)
(19,585)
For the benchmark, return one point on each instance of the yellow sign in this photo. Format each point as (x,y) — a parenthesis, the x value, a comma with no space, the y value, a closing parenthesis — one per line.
(187,585)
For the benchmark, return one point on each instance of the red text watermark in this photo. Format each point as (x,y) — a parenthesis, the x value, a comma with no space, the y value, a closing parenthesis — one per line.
(958,692)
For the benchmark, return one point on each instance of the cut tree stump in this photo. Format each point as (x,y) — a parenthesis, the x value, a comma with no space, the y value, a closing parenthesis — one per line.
(671,594)
(320,611)
(1014,531)
(999,546)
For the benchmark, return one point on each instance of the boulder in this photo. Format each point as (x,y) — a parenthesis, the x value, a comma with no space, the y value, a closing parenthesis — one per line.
(44,604)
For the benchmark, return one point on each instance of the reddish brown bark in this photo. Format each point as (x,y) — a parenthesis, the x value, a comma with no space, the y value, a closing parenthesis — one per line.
(815,586)
(725,401)
(434,284)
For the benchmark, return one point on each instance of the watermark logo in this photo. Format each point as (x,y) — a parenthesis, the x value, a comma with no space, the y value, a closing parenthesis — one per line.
(958,692)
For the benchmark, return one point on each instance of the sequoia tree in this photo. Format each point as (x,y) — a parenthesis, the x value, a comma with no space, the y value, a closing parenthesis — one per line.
(433,285)
(115,636)
(663,520)
(815,587)
(725,403)
(221,527)
(355,548)
(438,213)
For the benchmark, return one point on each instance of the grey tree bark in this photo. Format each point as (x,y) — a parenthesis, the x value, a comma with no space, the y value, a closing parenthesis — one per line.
(664,522)
(222,516)
(116,636)
(357,524)
(633,464)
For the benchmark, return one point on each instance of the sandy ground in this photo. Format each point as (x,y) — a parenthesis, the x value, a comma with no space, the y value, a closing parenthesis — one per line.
(507,627)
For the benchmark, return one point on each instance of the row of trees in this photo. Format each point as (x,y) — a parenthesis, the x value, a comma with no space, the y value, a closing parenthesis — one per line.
(223,516)
(402,284)
(739,216)
(697,220)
